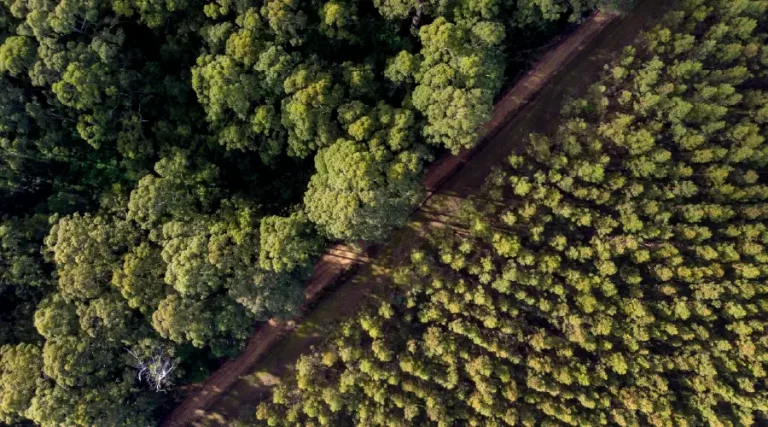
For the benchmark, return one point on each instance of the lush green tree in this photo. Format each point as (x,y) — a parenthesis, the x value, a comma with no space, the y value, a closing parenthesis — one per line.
(76,360)
(20,371)
(460,70)
(219,323)
(140,279)
(17,53)
(225,89)
(308,108)
(114,403)
(56,317)
(287,243)
(185,253)
(86,249)
(358,193)
(181,190)
(266,294)
(107,318)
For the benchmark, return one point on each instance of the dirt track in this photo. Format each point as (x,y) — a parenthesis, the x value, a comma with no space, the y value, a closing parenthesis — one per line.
(335,262)
(240,383)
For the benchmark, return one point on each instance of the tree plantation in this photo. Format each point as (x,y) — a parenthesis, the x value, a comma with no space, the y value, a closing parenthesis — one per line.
(612,273)
(170,170)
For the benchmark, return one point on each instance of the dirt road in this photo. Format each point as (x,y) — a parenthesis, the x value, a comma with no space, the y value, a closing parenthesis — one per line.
(337,260)
(234,390)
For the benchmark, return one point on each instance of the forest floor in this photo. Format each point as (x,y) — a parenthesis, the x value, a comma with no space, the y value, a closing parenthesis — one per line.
(531,105)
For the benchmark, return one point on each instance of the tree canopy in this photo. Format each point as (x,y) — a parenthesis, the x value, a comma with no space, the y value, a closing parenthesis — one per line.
(170,170)
(609,273)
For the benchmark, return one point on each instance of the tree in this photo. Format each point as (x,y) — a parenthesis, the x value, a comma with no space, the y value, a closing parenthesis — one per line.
(183,319)
(183,189)
(307,110)
(219,323)
(224,87)
(20,369)
(154,364)
(285,21)
(56,317)
(86,250)
(140,280)
(267,294)
(107,318)
(76,360)
(185,253)
(17,54)
(357,194)
(459,73)
(114,403)
(287,243)
(21,264)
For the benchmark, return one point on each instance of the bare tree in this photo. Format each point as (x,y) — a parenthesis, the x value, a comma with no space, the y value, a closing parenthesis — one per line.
(156,369)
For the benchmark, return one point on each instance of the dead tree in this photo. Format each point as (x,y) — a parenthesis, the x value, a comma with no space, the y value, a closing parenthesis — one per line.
(156,369)
(416,20)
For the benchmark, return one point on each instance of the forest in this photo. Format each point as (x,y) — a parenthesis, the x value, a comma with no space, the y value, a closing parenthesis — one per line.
(612,272)
(170,170)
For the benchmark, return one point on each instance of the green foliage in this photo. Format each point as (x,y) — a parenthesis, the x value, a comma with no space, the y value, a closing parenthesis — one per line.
(611,273)
(137,280)
(20,368)
(459,73)
(212,322)
(76,361)
(86,249)
(150,151)
(180,192)
(287,243)
(17,54)
(358,193)
(307,111)
(21,263)
(113,403)
(56,317)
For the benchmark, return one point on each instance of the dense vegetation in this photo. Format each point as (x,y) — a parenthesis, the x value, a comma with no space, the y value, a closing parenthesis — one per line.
(612,273)
(158,193)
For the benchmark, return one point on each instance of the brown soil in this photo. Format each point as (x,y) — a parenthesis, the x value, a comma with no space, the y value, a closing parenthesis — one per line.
(235,389)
